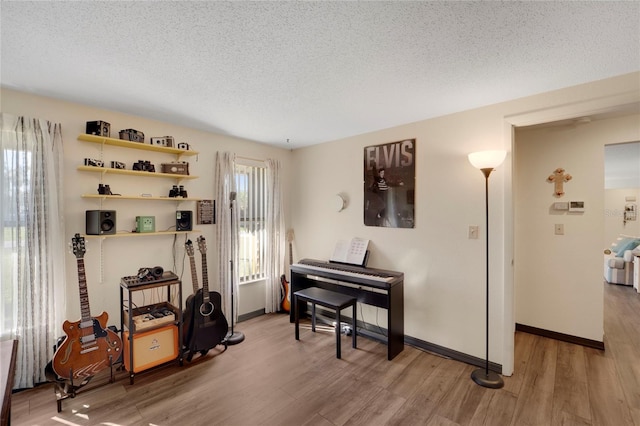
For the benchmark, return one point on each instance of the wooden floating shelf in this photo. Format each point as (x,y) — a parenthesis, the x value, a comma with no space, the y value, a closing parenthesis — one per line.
(138,197)
(103,140)
(107,170)
(139,234)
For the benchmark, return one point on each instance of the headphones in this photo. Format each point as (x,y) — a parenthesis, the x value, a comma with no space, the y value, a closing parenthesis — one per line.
(150,274)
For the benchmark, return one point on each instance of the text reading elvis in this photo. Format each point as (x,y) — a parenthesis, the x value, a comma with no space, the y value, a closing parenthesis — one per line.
(389,184)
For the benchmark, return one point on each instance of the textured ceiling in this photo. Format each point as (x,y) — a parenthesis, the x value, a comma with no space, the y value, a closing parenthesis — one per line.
(310,72)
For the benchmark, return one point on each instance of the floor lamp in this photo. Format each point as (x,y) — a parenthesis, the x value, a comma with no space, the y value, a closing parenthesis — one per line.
(234,337)
(486,161)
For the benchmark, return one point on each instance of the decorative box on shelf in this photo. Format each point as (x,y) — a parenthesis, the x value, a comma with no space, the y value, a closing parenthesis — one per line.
(176,168)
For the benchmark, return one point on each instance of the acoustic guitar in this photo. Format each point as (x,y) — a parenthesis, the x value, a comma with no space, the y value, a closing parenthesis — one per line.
(187,322)
(285,301)
(209,326)
(89,346)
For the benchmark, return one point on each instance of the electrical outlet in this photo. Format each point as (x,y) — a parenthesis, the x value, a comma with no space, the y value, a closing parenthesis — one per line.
(559,229)
(473,232)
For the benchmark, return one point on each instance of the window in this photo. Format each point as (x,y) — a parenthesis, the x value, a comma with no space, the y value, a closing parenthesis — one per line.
(32,250)
(17,171)
(251,188)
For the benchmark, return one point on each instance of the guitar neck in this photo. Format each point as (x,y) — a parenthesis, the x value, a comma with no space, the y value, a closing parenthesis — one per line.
(290,253)
(205,279)
(194,274)
(84,293)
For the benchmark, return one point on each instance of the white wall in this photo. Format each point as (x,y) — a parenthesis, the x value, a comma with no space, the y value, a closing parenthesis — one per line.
(444,270)
(559,277)
(108,260)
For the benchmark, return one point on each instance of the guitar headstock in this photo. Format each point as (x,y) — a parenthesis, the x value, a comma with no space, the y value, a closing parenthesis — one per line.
(77,242)
(189,248)
(202,245)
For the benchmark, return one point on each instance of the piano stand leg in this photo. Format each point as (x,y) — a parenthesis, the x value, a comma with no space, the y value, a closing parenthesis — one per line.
(354,332)
(338,333)
(297,319)
(313,317)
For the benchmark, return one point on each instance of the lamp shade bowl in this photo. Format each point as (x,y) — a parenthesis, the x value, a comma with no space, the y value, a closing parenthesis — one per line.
(487,159)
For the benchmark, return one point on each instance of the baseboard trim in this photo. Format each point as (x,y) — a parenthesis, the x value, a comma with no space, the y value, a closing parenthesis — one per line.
(367,330)
(451,354)
(560,336)
(249,315)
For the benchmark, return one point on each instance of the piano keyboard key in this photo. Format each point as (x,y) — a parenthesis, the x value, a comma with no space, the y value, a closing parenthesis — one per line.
(364,273)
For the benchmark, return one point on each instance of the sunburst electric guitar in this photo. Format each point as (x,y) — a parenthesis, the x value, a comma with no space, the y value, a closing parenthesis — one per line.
(285,300)
(89,345)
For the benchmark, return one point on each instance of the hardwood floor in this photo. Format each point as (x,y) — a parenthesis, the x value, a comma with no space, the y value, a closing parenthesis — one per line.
(272,379)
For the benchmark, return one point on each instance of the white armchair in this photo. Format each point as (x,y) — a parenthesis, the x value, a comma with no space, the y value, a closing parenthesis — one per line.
(618,262)
(619,270)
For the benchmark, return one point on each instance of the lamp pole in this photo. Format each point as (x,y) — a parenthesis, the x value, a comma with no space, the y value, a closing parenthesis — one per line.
(486,161)
(234,337)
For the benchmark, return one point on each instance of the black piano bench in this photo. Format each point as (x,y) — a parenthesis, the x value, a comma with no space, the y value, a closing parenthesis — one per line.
(328,299)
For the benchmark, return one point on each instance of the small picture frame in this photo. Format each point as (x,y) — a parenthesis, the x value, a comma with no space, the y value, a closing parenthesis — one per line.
(206,212)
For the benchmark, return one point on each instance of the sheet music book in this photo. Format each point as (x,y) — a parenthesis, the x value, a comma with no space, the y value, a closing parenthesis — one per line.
(352,252)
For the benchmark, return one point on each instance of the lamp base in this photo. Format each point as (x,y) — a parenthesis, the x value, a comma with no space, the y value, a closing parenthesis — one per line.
(234,338)
(488,380)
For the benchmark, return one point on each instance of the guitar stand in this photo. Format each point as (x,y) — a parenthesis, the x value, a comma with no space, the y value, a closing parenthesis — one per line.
(64,388)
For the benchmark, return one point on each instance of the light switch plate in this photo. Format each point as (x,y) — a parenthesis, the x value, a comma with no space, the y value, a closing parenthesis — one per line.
(473,232)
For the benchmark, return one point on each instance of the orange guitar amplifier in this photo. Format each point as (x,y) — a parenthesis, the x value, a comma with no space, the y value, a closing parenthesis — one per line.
(151,348)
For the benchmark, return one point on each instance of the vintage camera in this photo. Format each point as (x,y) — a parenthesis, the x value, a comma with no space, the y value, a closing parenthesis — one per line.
(117,165)
(104,189)
(132,135)
(177,191)
(93,162)
(167,141)
(184,145)
(144,166)
(98,128)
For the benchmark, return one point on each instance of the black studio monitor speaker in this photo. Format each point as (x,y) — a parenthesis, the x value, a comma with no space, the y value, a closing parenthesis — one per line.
(100,222)
(184,220)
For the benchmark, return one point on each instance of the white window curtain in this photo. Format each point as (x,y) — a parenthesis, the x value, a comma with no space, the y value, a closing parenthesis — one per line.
(275,252)
(32,247)
(225,185)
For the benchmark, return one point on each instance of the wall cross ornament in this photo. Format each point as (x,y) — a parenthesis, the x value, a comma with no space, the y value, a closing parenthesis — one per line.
(559,177)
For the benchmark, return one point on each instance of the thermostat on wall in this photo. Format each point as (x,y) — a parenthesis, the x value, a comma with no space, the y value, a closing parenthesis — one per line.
(561,205)
(576,206)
